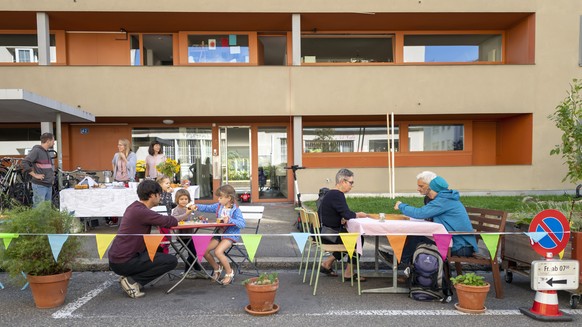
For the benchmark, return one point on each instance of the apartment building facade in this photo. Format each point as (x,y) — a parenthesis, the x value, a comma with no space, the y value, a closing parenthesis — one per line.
(238,91)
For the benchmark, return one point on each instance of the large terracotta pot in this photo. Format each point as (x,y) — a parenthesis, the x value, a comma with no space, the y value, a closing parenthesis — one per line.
(49,291)
(472,298)
(261,297)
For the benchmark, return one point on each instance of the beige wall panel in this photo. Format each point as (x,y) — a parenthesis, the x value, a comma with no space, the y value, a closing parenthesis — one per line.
(159,91)
(275,5)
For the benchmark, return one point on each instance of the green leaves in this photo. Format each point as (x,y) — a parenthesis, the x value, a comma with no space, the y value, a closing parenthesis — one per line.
(568,118)
(469,279)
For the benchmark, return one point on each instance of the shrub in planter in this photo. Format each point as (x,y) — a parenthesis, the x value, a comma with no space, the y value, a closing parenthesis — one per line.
(472,291)
(32,254)
(261,292)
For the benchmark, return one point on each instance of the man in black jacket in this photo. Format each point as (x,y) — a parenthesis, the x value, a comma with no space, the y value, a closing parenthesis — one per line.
(39,164)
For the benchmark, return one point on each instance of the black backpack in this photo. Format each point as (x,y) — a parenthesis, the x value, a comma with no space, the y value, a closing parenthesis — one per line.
(428,277)
(322,192)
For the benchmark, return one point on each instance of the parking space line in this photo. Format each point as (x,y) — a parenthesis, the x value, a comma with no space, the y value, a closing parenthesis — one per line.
(67,311)
(488,312)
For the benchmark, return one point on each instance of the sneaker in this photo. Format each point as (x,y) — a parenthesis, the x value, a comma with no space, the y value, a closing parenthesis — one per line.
(132,290)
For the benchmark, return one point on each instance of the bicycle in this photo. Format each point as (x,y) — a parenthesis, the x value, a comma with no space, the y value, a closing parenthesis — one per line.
(15,188)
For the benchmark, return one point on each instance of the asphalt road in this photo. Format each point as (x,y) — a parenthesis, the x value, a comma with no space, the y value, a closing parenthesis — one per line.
(95,299)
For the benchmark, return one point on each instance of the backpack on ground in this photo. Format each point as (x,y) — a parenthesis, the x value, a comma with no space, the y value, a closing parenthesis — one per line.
(428,278)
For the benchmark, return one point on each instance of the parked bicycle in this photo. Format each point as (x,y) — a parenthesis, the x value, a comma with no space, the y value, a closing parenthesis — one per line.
(15,188)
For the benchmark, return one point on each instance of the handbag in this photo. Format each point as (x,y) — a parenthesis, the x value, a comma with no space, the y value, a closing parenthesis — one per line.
(331,238)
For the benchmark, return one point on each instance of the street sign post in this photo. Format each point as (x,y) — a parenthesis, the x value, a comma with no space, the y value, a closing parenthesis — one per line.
(554,275)
(556,225)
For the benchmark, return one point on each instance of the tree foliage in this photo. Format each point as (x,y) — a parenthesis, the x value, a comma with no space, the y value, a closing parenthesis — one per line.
(568,118)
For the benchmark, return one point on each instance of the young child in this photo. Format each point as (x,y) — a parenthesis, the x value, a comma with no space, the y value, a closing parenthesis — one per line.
(182,201)
(227,210)
(165,200)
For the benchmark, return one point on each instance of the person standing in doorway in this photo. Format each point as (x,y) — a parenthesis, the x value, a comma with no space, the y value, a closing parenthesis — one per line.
(156,156)
(39,165)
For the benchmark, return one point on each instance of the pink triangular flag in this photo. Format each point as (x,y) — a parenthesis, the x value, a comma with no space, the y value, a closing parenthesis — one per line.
(442,242)
(201,244)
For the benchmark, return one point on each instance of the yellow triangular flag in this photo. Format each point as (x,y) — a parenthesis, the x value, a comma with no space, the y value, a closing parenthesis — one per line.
(7,238)
(491,241)
(251,242)
(349,240)
(397,244)
(152,242)
(561,254)
(103,241)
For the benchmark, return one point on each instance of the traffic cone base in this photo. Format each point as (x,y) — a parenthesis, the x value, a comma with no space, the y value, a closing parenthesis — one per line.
(545,308)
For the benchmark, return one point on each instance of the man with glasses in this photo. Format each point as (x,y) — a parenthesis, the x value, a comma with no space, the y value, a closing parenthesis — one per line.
(334,213)
(128,255)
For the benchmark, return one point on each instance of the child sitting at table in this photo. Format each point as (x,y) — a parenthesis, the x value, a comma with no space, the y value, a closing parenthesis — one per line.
(165,200)
(182,201)
(228,211)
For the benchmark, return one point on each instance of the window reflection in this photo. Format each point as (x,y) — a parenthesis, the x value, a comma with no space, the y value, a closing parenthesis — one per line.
(452,48)
(435,137)
(348,139)
(23,48)
(214,48)
(272,175)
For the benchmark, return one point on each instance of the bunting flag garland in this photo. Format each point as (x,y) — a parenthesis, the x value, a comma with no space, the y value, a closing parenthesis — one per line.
(251,242)
(7,238)
(152,242)
(301,240)
(491,241)
(536,236)
(201,244)
(349,240)
(56,242)
(397,243)
(103,242)
(561,254)
(442,242)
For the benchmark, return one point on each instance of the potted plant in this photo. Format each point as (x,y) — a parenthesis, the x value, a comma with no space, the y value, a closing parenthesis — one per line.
(261,292)
(472,291)
(31,252)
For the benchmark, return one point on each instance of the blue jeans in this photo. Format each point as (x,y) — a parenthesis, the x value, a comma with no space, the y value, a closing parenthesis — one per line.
(41,193)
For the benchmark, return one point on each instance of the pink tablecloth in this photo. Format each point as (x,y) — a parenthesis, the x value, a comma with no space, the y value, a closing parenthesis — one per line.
(368,226)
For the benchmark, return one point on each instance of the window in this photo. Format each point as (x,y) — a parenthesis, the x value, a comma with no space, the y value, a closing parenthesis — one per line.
(346,139)
(428,138)
(272,155)
(453,48)
(157,50)
(218,48)
(191,147)
(23,48)
(347,48)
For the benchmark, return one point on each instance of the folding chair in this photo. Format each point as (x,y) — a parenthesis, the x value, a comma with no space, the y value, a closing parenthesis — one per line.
(485,220)
(163,210)
(322,248)
(252,216)
(308,245)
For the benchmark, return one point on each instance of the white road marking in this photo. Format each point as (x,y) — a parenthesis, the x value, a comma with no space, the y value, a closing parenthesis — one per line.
(67,311)
(488,312)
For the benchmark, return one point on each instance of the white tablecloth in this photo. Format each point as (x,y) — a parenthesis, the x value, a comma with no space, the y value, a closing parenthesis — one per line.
(104,202)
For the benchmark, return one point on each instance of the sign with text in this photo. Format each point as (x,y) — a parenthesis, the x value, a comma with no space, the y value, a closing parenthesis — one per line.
(549,275)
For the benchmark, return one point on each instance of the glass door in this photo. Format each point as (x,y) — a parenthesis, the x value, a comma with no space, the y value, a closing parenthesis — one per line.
(235,158)
(272,159)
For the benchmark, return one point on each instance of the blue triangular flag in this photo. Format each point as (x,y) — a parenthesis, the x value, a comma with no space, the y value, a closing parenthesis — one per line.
(536,236)
(56,241)
(300,239)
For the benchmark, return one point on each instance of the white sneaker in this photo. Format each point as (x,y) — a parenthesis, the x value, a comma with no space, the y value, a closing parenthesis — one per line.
(132,290)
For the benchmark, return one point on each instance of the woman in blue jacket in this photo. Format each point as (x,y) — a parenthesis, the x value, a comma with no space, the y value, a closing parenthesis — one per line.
(446,209)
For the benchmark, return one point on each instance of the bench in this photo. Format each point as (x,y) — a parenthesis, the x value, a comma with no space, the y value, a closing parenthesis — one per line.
(252,216)
(485,221)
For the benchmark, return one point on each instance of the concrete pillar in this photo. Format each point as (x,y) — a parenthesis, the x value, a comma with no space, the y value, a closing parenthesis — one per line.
(296,39)
(44,38)
(297,141)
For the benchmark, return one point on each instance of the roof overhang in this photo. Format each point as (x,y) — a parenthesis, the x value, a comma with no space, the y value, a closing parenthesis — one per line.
(22,106)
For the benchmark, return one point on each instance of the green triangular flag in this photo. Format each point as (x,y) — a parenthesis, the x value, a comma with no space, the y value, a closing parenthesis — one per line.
(7,238)
(251,242)
(491,243)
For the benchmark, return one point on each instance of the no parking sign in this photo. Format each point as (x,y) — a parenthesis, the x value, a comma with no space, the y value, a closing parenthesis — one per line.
(555,224)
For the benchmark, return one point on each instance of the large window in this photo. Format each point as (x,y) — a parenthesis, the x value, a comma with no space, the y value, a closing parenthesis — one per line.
(272,175)
(435,137)
(318,139)
(192,147)
(347,48)
(156,50)
(218,48)
(23,48)
(453,48)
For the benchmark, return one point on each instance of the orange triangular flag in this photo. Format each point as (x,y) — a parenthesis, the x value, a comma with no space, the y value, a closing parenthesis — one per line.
(152,242)
(349,240)
(397,244)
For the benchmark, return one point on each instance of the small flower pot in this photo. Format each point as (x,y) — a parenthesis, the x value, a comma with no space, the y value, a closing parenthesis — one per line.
(261,297)
(471,298)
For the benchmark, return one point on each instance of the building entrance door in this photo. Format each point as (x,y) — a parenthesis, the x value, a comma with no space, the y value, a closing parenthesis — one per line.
(235,157)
